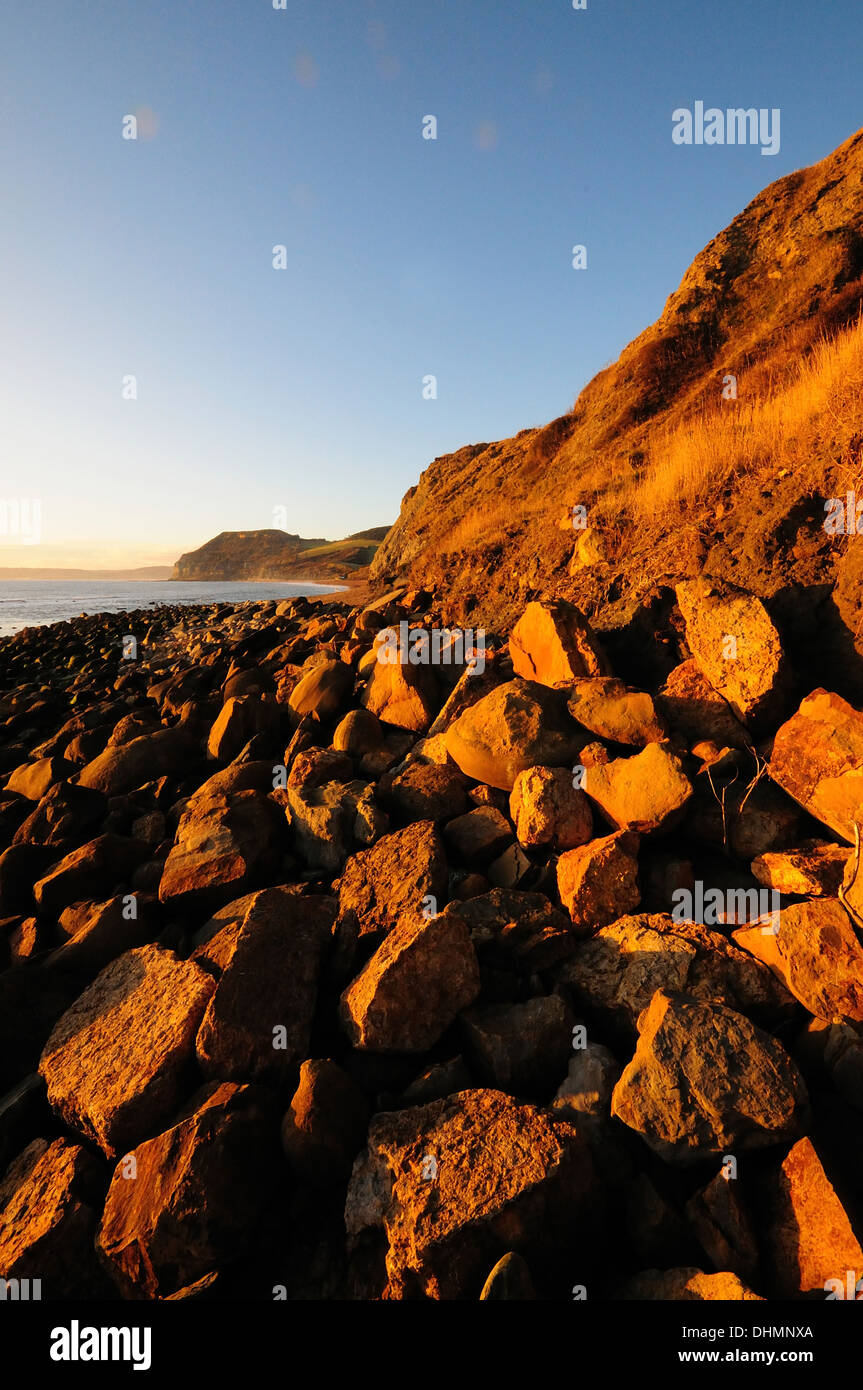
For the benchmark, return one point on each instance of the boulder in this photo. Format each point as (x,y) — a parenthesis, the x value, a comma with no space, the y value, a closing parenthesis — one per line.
(391,881)
(258,1022)
(517,932)
(478,836)
(590,1080)
(695,712)
(224,846)
(547,810)
(50,1197)
(721,1223)
(520,724)
(736,645)
(102,864)
(809,1240)
(322,691)
(599,881)
(33,780)
(457,1184)
(95,933)
(817,759)
(552,643)
(201,1195)
(403,695)
(616,973)
(358,733)
(240,718)
(814,870)
(325,1125)
(687,1285)
(521,1048)
(118,1061)
(817,956)
(646,793)
(420,978)
(169,752)
(510,1279)
(611,710)
(705,1082)
(425,791)
(328,821)
(66,816)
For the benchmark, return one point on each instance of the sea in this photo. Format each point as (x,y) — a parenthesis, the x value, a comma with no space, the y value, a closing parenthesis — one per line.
(36,602)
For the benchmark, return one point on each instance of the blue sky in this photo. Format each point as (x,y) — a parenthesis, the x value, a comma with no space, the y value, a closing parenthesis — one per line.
(302,388)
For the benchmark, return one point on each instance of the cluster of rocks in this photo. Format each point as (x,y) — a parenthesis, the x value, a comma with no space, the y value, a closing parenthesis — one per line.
(323,976)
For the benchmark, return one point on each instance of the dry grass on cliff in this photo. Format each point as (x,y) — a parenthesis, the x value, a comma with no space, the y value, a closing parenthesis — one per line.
(803,426)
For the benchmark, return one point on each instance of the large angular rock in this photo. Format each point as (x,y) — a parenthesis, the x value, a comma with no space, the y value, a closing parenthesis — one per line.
(735,643)
(520,1048)
(391,881)
(327,821)
(457,1184)
(617,972)
(426,791)
(258,1023)
(614,711)
(518,725)
(547,809)
(102,864)
(817,956)
(224,846)
(325,1125)
(813,870)
(240,718)
(721,1222)
(96,933)
(121,769)
(809,1239)
(599,881)
(516,932)
(66,816)
(202,1192)
(705,1082)
(695,712)
(479,836)
(414,986)
(403,695)
(646,793)
(118,1061)
(552,643)
(50,1197)
(817,759)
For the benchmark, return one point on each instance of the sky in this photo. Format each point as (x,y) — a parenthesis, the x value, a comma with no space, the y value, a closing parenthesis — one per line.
(162,381)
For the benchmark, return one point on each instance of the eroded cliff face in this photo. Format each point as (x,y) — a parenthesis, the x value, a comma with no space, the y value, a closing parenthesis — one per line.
(492,522)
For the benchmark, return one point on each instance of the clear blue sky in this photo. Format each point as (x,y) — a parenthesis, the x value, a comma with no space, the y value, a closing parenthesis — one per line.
(302,388)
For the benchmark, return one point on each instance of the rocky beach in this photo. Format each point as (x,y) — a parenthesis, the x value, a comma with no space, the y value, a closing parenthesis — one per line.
(330,976)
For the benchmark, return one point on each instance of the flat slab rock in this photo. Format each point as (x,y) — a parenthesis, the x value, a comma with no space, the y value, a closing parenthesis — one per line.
(501,1177)
(117,1062)
(705,1081)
